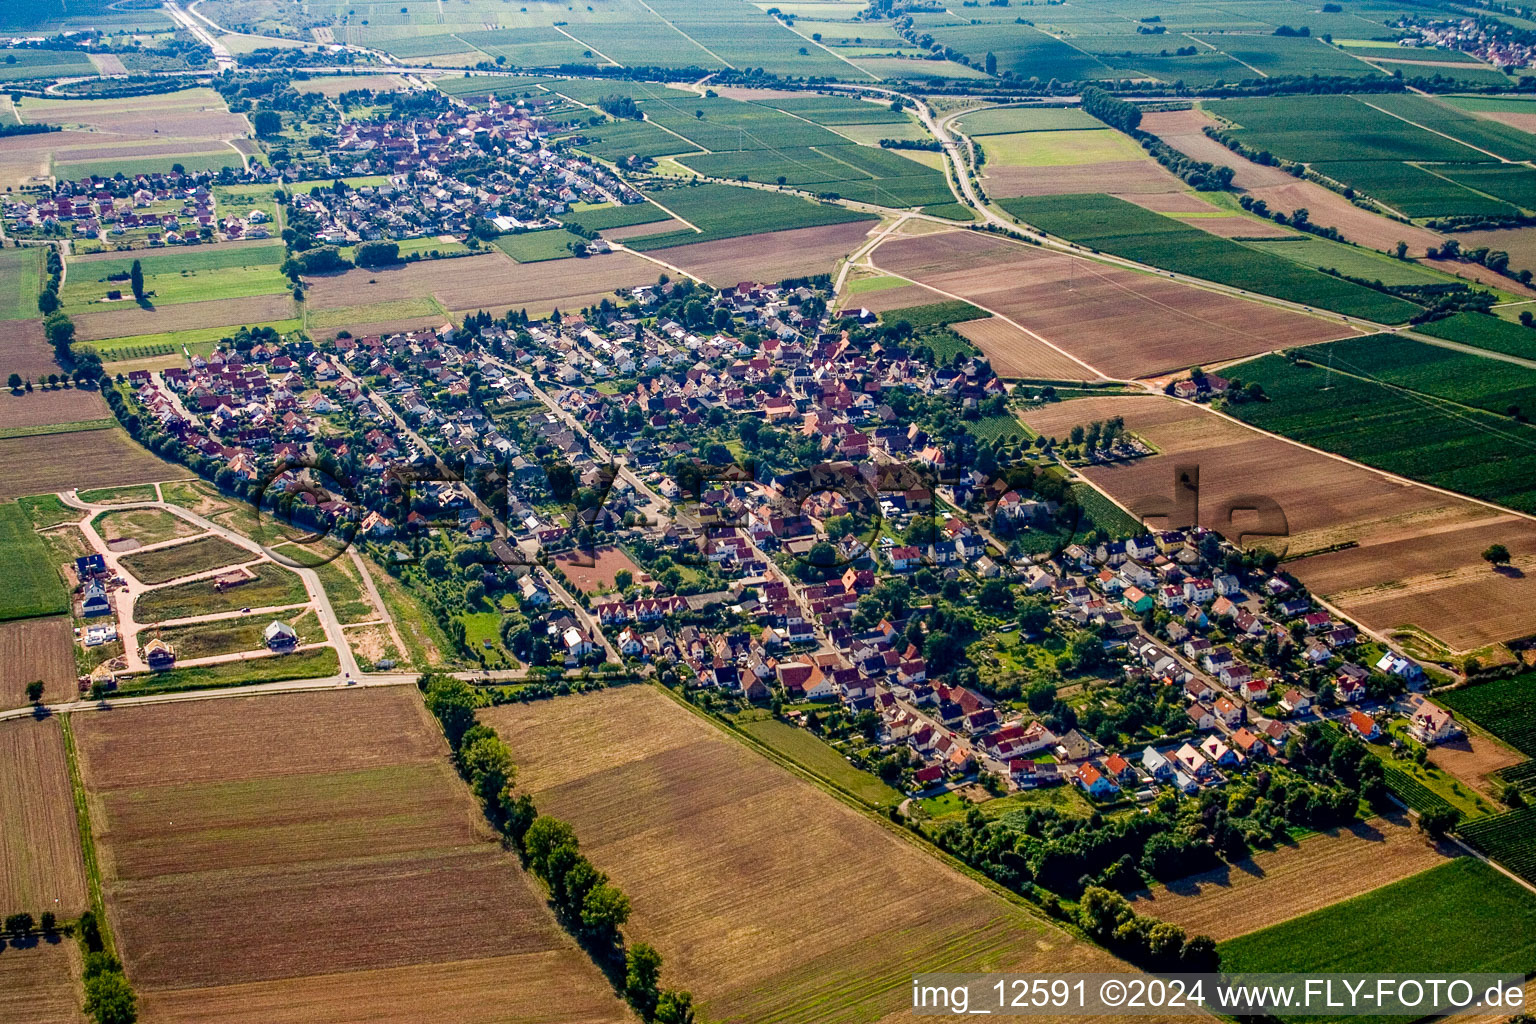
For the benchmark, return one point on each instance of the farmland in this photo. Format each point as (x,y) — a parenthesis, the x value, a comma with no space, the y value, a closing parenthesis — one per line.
(40,864)
(537,246)
(1505,707)
(1120,322)
(1363,410)
(388,850)
(798,252)
(48,408)
(1124,229)
(1293,880)
(32,649)
(227,272)
(811,753)
(1416,556)
(38,984)
(21,277)
(812,943)
(1435,920)
(1487,332)
(1509,838)
(163,564)
(32,586)
(722,211)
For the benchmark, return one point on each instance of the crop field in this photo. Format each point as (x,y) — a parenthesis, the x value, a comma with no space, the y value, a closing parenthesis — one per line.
(1505,707)
(351,847)
(606,218)
(773,256)
(537,246)
(33,587)
(1354,261)
(144,525)
(192,163)
(772,899)
(224,273)
(1007,120)
(21,278)
(273,587)
(25,350)
(47,408)
(1417,554)
(161,565)
(724,211)
(1441,442)
(25,64)
(934,314)
(1275,885)
(737,35)
(1435,920)
(1022,49)
(1122,323)
(129,320)
(38,984)
(620,140)
(32,649)
(1125,229)
(1415,190)
(492,282)
(1335,128)
(1515,185)
(1508,838)
(817,756)
(1015,353)
(40,864)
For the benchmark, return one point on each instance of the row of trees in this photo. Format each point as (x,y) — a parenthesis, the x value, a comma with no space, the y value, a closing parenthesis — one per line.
(591,907)
(1203,176)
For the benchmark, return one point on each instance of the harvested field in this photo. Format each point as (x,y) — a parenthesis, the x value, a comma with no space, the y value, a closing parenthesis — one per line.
(1520,243)
(491,282)
(1170,202)
(1482,275)
(1276,885)
(901,297)
(772,256)
(1182,130)
(1237,227)
(131,321)
(353,851)
(772,900)
(40,984)
(85,458)
(1014,353)
(1121,322)
(638,230)
(598,576)
(24,350)
(1417,554)
(40,408)
(40,864)
(32,649)
(1122,177)
(1473,758)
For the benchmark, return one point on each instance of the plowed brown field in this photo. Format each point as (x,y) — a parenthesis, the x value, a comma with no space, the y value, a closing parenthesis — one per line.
(25,350)
(131,321)
(82,458)
(332,861)
(769,257)
(1417,559)
(36,649)
(39,984)
(1014,353)
(770,899)
(1119,176)
(45,407)
(1121,322)
(1279,884)
(40,864)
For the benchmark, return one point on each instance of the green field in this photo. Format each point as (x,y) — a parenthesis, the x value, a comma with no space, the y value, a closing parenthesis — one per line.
(129,166)
(935,314)
(607,217)
(1508,838)
(1410,790)
(172,278)
(1113,225)
(619,140)
(145,525)
(1105,515)
(724,211)
(1415,191)
(198,339)
(1021,49)
(125,495)
(1366,264)
(315,664)
(1502,140)
(25,64)
(1513,184)
(21,279)
(1505,707)
(1281,55)
(993,429)
(1437,920)
(273,587)
(33,586)
(1006,120)
(162,565)
(537,246)
(816,756)
(1437,441)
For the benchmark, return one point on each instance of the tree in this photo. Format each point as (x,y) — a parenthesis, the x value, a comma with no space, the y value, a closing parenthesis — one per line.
(14,383)
(604,911)
(642,977)
(623,578)
(676,1007)
(136,278)
(453,702)
(1402,250)
(35,691)
(377,254)
(544,837)
(267,123)
(991,63)
(1437,821)
(18,924)
(110,999)
(1496,554)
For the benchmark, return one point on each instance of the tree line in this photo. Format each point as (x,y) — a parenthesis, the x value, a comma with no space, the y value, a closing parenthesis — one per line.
(587,904)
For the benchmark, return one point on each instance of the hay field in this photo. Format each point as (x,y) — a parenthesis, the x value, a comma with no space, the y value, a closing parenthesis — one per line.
(33,649)
(799,252)
(39,984)
(350,849)
(1417,558)
(1121,322)
(1275,885)
(770,899)
(82,458)
(40,864)
(491,282)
